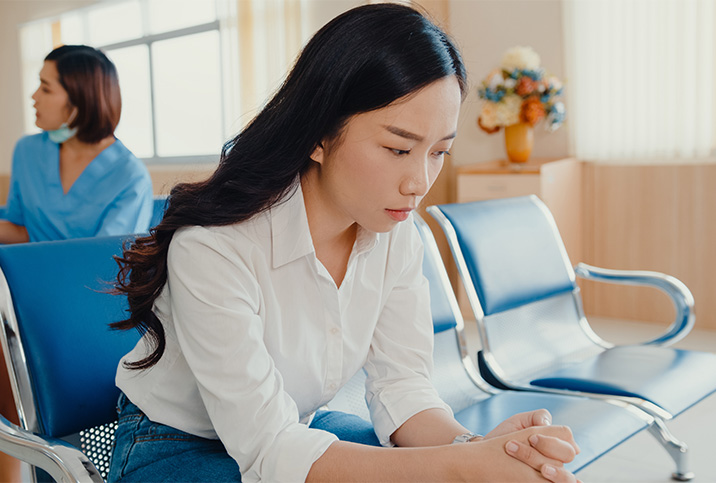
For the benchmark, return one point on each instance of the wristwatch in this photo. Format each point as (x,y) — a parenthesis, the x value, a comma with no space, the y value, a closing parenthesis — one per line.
(466,438)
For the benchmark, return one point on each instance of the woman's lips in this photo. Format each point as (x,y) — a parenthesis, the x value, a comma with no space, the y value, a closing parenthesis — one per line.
(399,215)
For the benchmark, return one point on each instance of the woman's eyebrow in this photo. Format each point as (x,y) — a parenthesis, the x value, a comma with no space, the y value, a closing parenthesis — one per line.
(415,137)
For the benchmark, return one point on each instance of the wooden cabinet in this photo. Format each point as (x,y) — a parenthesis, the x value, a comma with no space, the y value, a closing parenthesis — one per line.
(558,182)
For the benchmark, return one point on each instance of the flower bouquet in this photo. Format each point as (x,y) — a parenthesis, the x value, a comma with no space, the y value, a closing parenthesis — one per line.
(518,95)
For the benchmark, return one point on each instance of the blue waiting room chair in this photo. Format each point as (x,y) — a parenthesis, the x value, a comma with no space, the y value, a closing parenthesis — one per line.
(597,425)
(535,336)
(61,355)
(160,206)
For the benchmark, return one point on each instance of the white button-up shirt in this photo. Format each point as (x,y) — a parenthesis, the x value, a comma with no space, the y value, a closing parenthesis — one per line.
(258,337)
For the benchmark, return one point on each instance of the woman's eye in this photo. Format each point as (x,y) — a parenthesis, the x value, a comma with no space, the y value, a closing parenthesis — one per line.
(441,153)
(399,152)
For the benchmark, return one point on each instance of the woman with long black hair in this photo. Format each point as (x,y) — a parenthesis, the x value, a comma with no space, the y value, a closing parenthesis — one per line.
(268,286)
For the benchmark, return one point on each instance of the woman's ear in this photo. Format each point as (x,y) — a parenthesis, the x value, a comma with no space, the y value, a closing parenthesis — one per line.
(317,154)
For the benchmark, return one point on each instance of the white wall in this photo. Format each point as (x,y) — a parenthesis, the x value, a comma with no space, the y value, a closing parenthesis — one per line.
(484,29)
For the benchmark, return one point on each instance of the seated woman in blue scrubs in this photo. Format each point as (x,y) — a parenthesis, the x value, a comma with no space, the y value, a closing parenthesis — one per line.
(76,179)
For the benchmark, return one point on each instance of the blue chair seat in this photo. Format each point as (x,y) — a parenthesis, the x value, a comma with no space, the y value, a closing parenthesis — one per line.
(657,374)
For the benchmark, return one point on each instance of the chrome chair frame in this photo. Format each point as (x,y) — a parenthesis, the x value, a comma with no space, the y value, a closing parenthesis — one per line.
(679,294)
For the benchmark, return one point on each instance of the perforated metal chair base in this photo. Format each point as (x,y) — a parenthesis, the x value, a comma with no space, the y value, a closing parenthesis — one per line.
(96,443)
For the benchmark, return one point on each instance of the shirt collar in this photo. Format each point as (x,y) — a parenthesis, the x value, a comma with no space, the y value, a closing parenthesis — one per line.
(291,237)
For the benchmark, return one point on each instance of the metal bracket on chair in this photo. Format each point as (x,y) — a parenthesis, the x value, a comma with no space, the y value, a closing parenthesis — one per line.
(676,449)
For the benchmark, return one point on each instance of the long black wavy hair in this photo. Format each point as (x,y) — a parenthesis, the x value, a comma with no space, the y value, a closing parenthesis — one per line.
(362,60)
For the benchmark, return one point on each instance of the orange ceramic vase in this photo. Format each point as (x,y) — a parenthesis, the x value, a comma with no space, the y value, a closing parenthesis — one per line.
(518,142)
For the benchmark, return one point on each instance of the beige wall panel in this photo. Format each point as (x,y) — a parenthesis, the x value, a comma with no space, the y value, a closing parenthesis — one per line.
(4,187)
(657,218)
(165,177)
(561,190)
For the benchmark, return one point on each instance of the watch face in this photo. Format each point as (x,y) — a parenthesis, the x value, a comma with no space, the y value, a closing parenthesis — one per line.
(464,438)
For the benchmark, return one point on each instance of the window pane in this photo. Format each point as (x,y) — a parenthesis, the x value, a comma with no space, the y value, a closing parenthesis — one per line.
(72,28)
(187,93)
(167,15)
(115,22)
(135,125)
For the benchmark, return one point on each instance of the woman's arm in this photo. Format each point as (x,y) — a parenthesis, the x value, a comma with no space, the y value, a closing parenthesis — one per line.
(12,233)
(485,460)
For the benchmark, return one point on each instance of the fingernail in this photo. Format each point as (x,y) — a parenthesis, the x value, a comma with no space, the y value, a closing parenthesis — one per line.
(512,447)
(549,470)
(534,439)
(546,421)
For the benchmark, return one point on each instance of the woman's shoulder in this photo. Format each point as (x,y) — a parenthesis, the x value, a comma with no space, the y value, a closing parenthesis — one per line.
(130,165)
(33,141)
(33,152)
(240,238)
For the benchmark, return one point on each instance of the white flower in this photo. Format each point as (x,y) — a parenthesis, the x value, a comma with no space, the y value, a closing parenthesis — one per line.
(523,58)
(554,83)
(510,83)
(495,80)
(508,111)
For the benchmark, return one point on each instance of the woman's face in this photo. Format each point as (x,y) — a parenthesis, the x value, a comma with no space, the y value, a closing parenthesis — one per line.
(52,105)
(383,162)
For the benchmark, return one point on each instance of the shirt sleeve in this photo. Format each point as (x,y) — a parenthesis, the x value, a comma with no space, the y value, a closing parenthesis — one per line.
(400,360)
(215,302)
(131,211)
(14,208)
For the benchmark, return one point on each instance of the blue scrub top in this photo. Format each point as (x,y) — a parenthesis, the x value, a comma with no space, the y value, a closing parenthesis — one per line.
(112,196)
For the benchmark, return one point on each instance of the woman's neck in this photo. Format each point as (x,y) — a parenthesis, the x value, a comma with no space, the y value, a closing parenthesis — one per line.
(76,155)
(333,235)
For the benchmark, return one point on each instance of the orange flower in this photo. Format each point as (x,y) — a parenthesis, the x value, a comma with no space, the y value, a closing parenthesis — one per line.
(532,111)
(525,86)
(487,130)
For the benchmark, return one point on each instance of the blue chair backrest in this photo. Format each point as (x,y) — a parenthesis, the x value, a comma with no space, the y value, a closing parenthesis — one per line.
(160,205)
(62,305)
(443,311)
(513,252)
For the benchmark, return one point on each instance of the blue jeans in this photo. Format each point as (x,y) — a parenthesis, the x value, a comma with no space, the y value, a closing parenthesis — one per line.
(147,451)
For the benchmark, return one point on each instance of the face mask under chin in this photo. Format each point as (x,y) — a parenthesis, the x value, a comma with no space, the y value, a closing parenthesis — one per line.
(65,132)
(62,134)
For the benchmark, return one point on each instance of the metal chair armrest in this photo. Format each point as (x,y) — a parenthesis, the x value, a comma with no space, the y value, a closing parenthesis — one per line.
(64,462)
(678,292)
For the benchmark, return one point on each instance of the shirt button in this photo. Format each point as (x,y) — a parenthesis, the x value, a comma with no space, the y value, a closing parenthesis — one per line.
(335,331)
(332,387)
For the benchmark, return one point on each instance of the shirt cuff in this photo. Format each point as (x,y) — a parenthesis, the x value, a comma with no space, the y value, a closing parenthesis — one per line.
(291,456)
(389,411)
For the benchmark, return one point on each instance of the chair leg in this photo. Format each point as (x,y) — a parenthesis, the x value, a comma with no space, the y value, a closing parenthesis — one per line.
(676,449)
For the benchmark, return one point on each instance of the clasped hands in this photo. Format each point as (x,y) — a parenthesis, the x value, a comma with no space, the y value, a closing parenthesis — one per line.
(531,438)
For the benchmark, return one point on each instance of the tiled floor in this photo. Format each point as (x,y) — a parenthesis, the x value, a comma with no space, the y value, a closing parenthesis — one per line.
(642,459)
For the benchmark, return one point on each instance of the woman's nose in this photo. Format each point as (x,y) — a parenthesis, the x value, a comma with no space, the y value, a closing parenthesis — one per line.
(416,181)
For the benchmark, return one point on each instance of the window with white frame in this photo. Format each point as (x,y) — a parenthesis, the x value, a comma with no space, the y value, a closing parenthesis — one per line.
(182,76)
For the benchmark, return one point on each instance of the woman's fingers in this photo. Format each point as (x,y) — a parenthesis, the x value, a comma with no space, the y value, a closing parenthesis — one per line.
(540,417)
(529,455)
(558,474)
(554,448)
